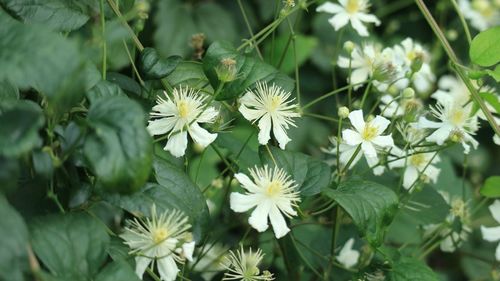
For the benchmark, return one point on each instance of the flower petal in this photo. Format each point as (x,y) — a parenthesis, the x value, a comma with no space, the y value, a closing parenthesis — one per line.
(384,141)
(357,121)
(329,7)
(368,18)
(177,144)
(141,263)
(368,149)
(200,135)
(440,135)
(188,249)
(339,20)
(265,129)
(160,126)
(409,177)
(351,137)
(258,219)
(280,134)
(497,253)
(359,27)
(380,123)
(278,222)
(491,234)
(242,202)
(208,115)
(246,182)
(495,210)
(347,256)
(167,268)
(250,114)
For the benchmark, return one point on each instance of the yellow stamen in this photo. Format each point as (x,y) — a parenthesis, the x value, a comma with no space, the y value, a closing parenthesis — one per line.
(275,103)
(369,132)
(457,117)
(183,109)
(417,160)
(159,235)
(273,188)
(352,6)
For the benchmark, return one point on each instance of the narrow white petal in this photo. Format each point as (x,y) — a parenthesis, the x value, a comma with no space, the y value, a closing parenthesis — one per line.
(177,144)
(372,163)
(491,234)
(208,116)
(141,263)
(339,20)
(167,268)
(329,7)
(280,134)
(258,219)
(440,135)
(497,253)
(265,129)
(432,173)
(409,177)
(347,256)
(242,202)
(368,149)
(200,135)
(246,182)
(278,222)
(251,114)
(359,75)
(160,126)
(380,123)
(357,121)
(424,123)
(188,249)
(351,137)
(384,141)
(359,27)
(369,18)
(495,210)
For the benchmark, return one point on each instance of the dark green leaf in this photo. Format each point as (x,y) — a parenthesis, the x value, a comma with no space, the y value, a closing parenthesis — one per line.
(126,83)
(119,148)
(60,15)
(189,73)
(117,270)
(8,91)
(42,163)
(491,187)
(283,51)
(9,173)
(72,246)
(215,22)
(152,66)
(485,47)
(14,243)
(411,269)
(249,70)
(371,206)
(21,121)
(104,89)
(311,175)
(242,154)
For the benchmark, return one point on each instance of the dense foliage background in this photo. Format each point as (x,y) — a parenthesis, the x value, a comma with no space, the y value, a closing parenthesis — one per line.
(78,79)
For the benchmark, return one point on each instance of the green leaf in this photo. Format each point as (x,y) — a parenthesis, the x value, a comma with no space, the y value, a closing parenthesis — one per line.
(72,246)
(174,191)
(152,66)
(411,269)
(492,99)
(126,83)
(215,22)
(311,175)
(494,73)
(59,15)
(8,91)
(33,56)
(244,156)
(14,243)
(104,89)
(491,187)
(371,206)
(305,46)
(117,270)
(42,164)
(249,70)
(119,148)
(21,121)
(485,47)
(9,173)
(189,73)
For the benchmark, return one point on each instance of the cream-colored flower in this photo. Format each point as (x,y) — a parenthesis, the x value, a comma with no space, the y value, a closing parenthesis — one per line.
(416,165)
(244,266)
(482,14)
(272,108)
(179,115)
(163,238)
(348,257)
(492,234)
(353,11)
(273,194)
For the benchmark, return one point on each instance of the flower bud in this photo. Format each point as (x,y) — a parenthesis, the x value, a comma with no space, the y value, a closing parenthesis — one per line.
(384,72)
(289,3)
(452,34)
(142,8)
(343,112)
(417,62)
(349,46)
(226,70)
(456,136)
(408,93)
(393,90)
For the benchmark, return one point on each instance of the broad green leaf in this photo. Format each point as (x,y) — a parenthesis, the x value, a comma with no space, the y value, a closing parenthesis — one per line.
(244,156)
(411,269)
(152,66)
(305,46)
(174,191)
(33,56)
(118,148)
(492,99)
(485,47)
(215,22)
(9,173)
(189,73)
(60,15)
(104,89)
(249,71)
(371,206)
(14,243)
(491,187)
(117,270)
(8,91)
(42,163)
(427,206)
(311,175)
(494,73)
(21,121)
(72,246)
(126,83)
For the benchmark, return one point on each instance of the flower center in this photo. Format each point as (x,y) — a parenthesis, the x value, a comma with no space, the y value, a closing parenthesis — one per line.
(483,7)
(352,6)
(369,132)
(183,109)
(275,103)
(458,208)
(159,235)
(273,188)
(457,117)
(417,160)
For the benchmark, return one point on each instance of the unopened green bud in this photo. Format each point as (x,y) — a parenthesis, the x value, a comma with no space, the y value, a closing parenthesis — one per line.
(456,136)
(349,46)
(142,8)
(417,62)
(343,112)
(393,90)
(452,34)
(226,70)
(408,93)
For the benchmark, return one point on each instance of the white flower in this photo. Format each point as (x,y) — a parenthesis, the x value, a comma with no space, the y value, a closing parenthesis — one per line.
(179,115)
(163,238)
(354,11)
(244,266)
(273,194)
(362,62)
(272,108)
(417,164)
(492,234)
(496,139)
(367,134)
(347,256)
(211,260)
(482,14)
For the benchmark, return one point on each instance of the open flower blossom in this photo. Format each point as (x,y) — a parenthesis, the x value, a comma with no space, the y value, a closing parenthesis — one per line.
(416,165)
(179,115)
(368,134)
(353,11)
(244,266)
(273,194)
(163,238)
(272,108)
(348,257)
(492,234)
(482,14)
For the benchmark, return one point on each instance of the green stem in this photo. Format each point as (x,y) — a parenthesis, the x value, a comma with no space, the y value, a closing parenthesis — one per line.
(327,95)
(365,94)
(247,23)
(462,20)
(103,30)
(358,149)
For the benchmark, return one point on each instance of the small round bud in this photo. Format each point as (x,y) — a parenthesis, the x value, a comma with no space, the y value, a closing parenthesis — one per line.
(349,46)
(452,34)
(408,93)
(226,70)
(343,112)
(456,136)
(417,62)
(393,90)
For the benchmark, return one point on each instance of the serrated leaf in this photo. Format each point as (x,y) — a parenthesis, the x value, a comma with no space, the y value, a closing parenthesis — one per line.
(310,174)
(371,206)
(21,121)
(249,70)
(152,66)
(485,47)
(491,187)
(72,246)
(118,148)
(14,243)
(60,15)
(410,269)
